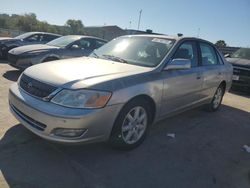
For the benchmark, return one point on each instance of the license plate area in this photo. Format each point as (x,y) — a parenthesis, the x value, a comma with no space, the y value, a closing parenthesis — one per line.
(236,77)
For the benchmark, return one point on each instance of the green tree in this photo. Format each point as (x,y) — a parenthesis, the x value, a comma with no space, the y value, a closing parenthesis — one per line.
(221,43)
(29,22)
(76,26)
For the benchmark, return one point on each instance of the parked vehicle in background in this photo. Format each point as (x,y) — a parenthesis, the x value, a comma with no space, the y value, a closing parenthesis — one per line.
(61,48)
(122,88)
(7,44)
(241,65)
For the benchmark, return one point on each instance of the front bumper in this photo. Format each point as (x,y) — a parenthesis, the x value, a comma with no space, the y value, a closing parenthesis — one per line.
(42,118)
(241,79)
(21,62)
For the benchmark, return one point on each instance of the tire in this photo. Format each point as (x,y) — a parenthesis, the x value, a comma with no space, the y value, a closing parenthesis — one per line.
(128,131)
(217,99)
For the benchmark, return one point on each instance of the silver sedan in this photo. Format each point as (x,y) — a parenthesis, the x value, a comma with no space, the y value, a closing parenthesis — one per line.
(120,90)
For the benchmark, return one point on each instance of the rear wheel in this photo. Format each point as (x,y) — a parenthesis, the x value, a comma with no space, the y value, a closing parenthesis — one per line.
(131,125)
(217,99)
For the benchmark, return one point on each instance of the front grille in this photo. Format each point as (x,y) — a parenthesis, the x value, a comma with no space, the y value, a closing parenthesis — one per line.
(35,87)
(241,71)
(12,58)
(35,124)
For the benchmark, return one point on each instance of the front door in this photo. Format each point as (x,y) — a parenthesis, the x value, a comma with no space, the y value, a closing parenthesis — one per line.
(182,88)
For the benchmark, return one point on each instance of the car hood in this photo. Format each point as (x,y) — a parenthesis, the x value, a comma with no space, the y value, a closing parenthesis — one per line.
(82,72)
(7,39)
(32,48)
(4,38)
(239,62)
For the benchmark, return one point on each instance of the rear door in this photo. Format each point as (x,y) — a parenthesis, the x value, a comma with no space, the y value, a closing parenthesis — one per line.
(182,88)
(211,68)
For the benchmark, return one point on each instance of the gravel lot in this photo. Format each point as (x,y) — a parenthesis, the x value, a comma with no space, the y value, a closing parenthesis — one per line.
(207,152)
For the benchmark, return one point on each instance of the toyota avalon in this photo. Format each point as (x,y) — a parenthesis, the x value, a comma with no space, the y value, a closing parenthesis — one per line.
(118,92)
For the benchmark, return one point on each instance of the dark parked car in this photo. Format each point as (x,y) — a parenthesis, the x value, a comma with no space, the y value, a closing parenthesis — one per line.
(241,64)
(61,48)
(7,44)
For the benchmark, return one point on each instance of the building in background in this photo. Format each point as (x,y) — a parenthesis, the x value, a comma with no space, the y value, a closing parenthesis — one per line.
(227,50)
(113,31)
(104,32)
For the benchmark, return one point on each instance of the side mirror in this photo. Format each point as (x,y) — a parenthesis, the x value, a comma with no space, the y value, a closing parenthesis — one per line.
(178,64)
(74,47)
(227,55)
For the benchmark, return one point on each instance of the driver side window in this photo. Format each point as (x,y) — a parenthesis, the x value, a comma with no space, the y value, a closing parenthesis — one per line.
(85,44)
(33,38)
(187,50)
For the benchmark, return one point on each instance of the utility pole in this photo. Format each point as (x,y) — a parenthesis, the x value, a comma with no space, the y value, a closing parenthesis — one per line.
(198,33)
(139,22)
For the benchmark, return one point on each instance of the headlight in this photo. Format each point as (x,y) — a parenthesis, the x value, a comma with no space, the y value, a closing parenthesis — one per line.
(82,98)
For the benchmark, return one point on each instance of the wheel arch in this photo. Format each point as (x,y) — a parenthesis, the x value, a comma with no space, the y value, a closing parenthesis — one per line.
(148,99)
(224,85)
(51,57)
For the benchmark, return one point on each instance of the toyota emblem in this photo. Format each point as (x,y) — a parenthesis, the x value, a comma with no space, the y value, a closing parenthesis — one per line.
(29,85)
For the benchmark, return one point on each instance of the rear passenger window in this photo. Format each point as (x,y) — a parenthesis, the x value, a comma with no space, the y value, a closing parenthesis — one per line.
(187,51)
(208,55)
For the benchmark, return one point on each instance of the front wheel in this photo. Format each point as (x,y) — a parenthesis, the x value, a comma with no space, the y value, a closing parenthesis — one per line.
(217,99)
(131,125)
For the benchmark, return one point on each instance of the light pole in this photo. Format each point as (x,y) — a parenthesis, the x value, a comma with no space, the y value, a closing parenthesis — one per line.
(198,33)
(139,22)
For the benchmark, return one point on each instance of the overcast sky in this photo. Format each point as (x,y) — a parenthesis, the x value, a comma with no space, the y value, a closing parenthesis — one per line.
(209,19)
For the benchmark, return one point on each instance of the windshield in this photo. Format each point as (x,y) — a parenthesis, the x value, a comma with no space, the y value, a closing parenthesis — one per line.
(243,53)
(23,36)
(63,41)
(137,50)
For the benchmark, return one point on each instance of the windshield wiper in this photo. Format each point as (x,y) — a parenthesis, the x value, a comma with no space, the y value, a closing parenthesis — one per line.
(114,58)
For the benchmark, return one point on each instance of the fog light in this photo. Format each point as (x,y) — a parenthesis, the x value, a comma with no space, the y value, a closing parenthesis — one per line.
(69,133)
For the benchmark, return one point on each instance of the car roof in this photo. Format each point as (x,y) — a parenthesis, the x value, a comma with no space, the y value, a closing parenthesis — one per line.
(170,37)
(37,32)
(87,36)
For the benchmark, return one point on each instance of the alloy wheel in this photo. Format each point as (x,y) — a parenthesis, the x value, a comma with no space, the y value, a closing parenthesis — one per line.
(134,125)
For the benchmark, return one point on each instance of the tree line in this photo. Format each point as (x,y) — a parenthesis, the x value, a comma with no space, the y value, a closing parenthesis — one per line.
(29,22)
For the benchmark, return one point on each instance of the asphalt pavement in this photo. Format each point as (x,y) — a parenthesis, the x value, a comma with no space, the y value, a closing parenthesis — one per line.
(207,152)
